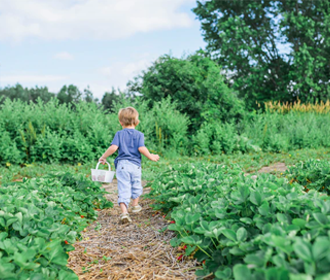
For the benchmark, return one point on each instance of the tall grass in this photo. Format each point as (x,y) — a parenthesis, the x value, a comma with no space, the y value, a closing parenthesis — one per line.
(297,106)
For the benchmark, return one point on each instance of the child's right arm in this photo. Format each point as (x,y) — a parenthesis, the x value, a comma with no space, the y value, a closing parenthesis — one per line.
(144,151)
(112,149)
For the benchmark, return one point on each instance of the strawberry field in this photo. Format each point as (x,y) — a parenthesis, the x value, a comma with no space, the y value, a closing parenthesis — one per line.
(39,220)
(235,224)
(241,227)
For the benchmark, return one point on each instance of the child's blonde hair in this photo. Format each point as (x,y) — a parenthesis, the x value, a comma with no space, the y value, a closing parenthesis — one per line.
(128,116)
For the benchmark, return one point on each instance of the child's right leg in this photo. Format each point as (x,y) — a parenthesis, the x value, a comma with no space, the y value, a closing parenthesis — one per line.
(124,190)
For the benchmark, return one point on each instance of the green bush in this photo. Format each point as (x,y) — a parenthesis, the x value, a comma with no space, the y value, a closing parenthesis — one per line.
(217,138)
(277,132)
(195,83)
(53,132)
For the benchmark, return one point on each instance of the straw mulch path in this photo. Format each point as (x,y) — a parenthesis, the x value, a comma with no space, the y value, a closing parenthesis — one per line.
(111,250)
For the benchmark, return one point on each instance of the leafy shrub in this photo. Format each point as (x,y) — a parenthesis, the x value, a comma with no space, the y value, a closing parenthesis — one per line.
(217,138)
(277,132)
(54,132)
(195,84)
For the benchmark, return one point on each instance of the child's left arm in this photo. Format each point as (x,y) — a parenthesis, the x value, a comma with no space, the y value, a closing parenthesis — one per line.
(111,150)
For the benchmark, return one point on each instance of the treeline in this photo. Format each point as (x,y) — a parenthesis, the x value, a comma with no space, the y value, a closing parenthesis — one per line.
(70,94)
(272,50)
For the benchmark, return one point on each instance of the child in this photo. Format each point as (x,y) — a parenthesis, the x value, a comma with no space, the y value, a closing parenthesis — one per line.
(130,143)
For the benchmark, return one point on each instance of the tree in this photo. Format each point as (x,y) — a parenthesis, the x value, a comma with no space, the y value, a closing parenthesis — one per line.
(69,94)
(194,83)
(89,96)
(109,99)
(246,38)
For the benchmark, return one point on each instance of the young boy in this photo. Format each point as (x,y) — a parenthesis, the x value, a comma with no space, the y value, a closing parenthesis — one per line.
(130,143)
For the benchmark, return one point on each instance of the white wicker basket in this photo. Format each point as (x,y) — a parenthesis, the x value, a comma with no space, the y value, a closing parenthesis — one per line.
(104,176)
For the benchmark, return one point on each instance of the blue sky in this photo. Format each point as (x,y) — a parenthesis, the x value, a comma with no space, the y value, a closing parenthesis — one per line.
(100,43)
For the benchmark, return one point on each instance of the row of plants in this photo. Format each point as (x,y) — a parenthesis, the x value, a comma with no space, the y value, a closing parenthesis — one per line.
(241,227)
(312,174)
(39,220)
(250,162)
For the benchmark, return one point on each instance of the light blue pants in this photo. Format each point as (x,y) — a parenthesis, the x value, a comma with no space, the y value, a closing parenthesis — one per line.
(129,181)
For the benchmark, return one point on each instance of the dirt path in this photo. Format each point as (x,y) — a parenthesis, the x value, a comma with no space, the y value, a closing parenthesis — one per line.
(110,250)
(276,167)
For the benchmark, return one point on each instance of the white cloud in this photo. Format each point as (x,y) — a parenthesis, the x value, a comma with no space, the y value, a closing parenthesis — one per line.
(134,68)
(86,19)
(119,73)
(64,56)
(12,79)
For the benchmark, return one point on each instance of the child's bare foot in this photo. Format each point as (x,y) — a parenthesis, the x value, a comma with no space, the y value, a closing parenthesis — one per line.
(125,219)
(136,209)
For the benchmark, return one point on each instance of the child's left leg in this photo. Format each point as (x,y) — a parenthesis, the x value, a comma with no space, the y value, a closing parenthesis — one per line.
(124,190)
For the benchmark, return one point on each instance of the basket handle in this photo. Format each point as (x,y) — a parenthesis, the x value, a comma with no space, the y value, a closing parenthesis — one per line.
(97,166)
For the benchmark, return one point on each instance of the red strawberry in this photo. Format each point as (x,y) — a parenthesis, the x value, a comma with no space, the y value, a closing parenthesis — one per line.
(180,257)
(184,247)
(172,222)
(82,216)
(164,216)
(203,262)
(66,242)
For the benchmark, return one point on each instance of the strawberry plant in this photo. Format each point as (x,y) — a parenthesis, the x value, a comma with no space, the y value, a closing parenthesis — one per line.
(40,219)
(243,228)
(312,174)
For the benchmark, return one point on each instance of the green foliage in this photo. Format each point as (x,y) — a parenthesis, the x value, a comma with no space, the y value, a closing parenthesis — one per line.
(195,84)
(40,219)
(277,132)
(243,228)
(246,38)
(54,132)
(69,133)
(110,99)
(217,138)
(69,94)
